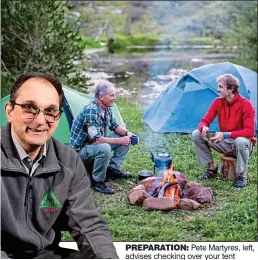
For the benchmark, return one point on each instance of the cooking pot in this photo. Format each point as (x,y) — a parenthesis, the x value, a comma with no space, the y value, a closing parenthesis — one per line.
(143,174)
(161,161)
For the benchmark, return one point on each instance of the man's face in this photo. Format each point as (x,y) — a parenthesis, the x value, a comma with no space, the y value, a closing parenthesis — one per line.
(108,99)
(33,132)
(223,91)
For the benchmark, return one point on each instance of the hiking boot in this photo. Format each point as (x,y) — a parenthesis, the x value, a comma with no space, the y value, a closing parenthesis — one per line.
(208,174)
(240,182)
(101,187)
(113,174)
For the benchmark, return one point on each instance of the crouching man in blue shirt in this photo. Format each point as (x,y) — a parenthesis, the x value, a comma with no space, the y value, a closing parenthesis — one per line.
(89,138)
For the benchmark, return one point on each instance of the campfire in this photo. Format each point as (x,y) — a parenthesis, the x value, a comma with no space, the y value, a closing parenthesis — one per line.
(169,191)
(168,187)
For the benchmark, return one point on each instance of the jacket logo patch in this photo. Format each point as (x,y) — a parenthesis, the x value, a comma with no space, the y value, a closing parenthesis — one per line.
(49,202)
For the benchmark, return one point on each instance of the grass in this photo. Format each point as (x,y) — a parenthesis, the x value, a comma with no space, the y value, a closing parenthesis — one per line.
(89,42)
(122,41)
(232,215)
(204,41)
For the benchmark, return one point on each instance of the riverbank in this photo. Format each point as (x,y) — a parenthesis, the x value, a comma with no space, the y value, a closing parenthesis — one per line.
(143,43)
(141,76)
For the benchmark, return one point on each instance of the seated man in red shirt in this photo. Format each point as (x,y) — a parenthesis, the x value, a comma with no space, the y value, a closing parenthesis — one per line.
(237,125)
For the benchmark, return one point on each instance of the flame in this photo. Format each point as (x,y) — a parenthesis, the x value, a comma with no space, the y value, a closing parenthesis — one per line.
(168,177)
(173,191)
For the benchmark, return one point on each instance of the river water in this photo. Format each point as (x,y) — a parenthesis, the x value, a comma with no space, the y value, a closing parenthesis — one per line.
(141,77)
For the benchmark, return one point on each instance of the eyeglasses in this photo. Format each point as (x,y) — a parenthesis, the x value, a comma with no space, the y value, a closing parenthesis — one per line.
(30,112)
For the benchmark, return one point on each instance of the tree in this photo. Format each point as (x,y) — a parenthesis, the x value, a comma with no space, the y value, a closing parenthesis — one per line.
(243,31)
(37,38)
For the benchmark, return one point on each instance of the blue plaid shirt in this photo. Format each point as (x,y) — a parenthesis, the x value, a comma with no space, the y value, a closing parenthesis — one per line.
(91,123)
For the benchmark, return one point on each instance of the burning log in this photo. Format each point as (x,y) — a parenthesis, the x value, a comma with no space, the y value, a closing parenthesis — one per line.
(168,187)
(159,203)
(170,190)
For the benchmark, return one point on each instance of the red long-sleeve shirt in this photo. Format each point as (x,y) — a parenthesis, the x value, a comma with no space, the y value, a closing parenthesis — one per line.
(236,116)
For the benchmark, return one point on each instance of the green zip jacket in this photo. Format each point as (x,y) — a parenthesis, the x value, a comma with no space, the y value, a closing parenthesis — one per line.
(35,209)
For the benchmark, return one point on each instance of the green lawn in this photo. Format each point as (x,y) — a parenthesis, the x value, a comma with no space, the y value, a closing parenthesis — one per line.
(232,216)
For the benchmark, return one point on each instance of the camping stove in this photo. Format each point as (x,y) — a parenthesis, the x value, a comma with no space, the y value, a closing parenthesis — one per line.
(161,162)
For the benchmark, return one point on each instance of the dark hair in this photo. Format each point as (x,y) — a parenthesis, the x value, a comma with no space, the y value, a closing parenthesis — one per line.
(231,81)
(26,76)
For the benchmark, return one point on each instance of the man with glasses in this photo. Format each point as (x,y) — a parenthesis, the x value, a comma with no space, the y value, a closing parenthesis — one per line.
(44,185)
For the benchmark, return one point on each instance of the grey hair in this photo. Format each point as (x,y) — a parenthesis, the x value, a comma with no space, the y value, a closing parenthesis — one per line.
(231,81)
(102,88)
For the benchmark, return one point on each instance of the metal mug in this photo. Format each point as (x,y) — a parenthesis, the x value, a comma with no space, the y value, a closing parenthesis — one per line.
(134,139)
(210,134)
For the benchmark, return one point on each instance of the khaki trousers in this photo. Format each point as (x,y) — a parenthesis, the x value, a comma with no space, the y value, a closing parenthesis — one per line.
(241,148)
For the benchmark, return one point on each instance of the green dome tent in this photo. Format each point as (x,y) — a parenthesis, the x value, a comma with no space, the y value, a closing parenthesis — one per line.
(74,103)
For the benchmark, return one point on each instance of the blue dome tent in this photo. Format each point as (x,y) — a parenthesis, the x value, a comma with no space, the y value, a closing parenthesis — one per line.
(181,106)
